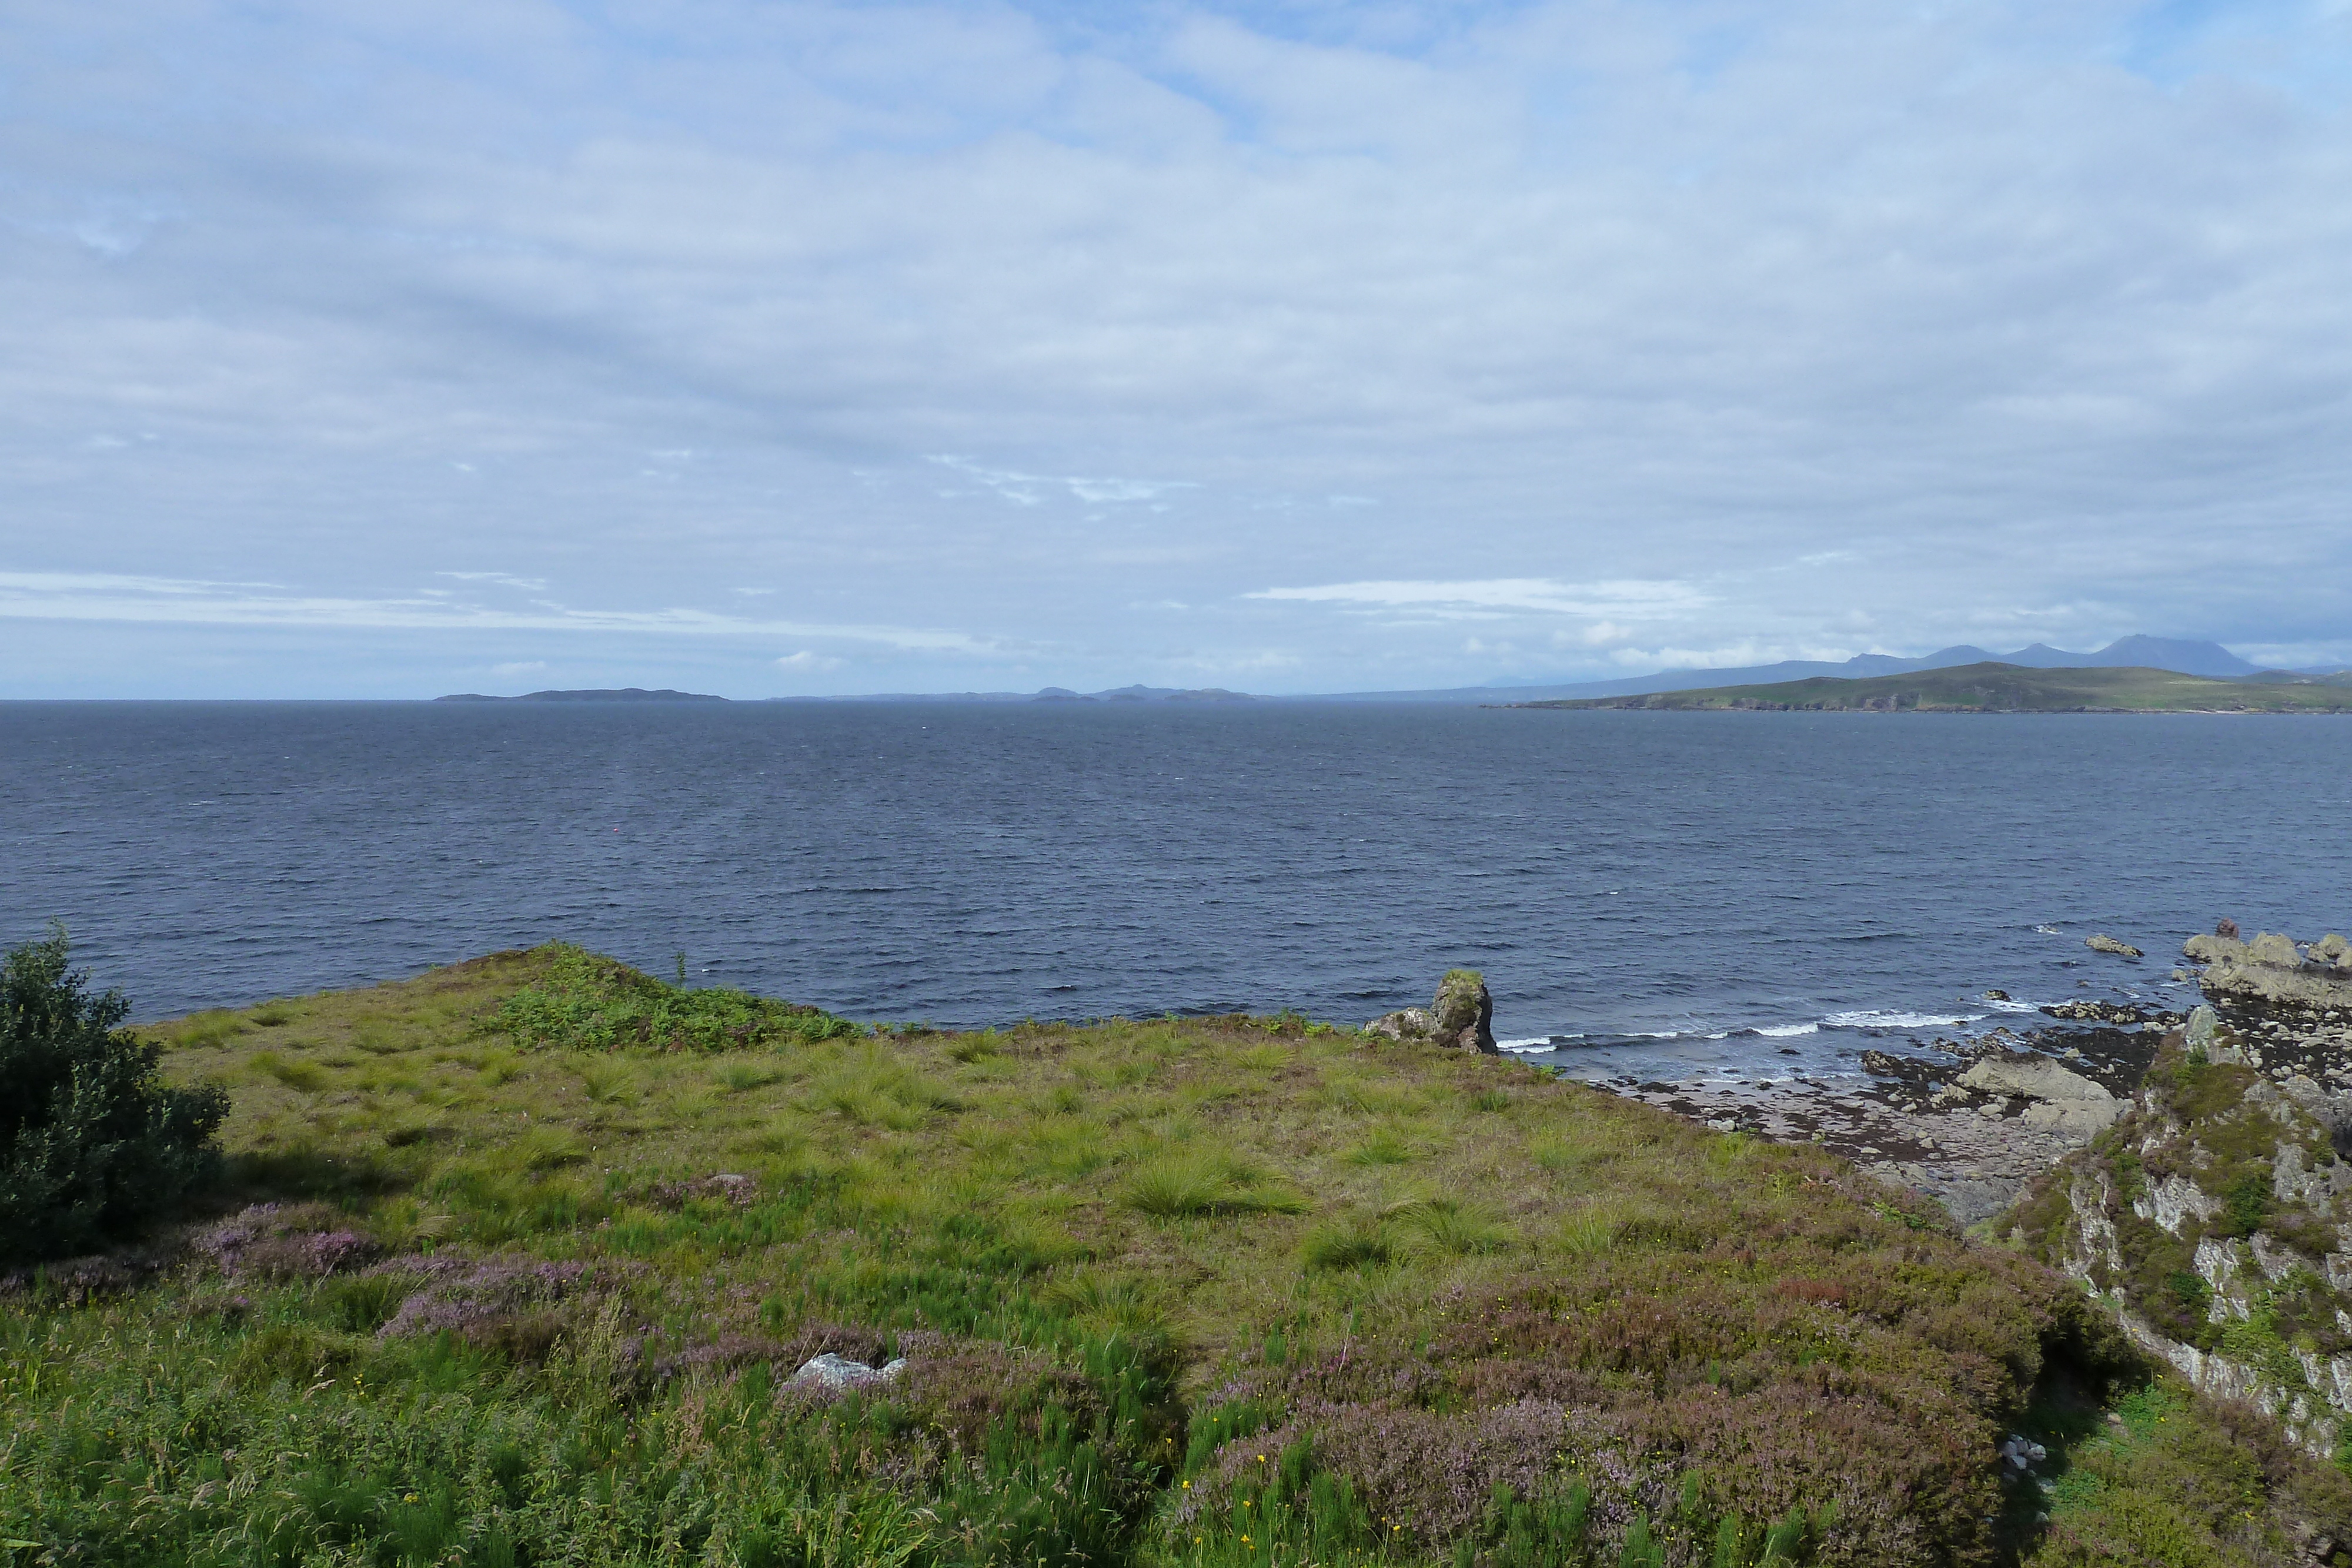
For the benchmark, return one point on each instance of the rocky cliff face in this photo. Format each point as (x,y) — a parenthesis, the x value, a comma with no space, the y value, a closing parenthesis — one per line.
(2215,1216)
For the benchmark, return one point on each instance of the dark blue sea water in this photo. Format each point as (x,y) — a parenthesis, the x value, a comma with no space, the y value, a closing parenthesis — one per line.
(1665,894)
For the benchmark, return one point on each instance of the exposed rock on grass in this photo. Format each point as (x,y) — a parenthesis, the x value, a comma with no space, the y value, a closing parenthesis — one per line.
(1462,1017)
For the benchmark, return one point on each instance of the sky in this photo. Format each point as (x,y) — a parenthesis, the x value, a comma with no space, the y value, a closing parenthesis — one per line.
(369,351)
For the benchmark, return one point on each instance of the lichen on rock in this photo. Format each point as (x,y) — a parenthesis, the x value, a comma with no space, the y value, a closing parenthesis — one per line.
(2215,1217)
(1460,1017)
(2272,969)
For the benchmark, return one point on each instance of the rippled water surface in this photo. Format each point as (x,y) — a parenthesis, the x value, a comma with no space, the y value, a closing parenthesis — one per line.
(1660,893)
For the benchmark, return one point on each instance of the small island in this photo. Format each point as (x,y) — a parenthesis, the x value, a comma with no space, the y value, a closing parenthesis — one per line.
(622,694)
(1995,687)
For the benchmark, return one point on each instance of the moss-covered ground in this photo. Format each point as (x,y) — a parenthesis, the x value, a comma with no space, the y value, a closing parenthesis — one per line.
(522,1254)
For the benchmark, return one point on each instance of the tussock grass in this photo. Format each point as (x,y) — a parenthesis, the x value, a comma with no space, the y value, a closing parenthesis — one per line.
(1449,1226)
(307,1076)
(1384,1147)
(1360,1242)
(610,1083)
(199,1031)
(738,1076)
(1588,1232)
(1172,1186)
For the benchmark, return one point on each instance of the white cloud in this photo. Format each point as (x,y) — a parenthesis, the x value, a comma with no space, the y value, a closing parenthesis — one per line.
(1535,594)
(1984,322)
(519,668)
(806,660)
(1028,489)
(533,584)
(53,596)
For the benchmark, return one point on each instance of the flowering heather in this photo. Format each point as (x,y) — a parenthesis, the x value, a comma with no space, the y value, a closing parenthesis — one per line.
(274,1242)
(467,1298)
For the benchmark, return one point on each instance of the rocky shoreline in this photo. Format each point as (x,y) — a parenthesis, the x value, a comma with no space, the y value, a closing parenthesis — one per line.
(1973,1123)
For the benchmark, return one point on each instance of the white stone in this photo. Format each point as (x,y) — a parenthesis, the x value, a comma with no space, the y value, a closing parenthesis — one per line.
(833,1372)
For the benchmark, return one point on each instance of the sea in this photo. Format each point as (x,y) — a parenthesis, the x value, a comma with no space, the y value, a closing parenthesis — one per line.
(1686,897)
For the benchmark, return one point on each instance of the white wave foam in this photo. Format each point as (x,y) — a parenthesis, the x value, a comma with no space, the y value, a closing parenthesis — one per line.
(1866,1020)
(1788,1030)
(1524,1047)
(2049,931)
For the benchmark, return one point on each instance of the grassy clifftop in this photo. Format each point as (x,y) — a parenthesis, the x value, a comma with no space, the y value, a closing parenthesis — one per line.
(514,1288)
(1999,688)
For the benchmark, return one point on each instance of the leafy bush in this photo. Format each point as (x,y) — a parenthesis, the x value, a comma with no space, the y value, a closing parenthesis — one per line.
(584,1001)
(91,1143)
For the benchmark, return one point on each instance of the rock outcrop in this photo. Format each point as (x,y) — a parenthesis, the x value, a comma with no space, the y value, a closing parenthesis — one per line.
(2272,971)
(2057,1099)
(830,1373)
(1460,1017)
(2215,1216)
(2100,942)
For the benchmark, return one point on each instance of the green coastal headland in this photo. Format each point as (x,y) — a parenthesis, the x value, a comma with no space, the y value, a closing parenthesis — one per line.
(538,1258)
(1995,687)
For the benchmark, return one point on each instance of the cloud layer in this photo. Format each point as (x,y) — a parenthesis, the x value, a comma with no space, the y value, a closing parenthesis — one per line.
(801,347)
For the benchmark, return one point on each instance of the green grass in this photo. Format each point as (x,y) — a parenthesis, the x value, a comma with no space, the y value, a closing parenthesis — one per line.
(1126,1259)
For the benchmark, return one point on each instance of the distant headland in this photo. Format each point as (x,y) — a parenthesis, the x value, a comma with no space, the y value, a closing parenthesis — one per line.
(1995,687)
(2188,676)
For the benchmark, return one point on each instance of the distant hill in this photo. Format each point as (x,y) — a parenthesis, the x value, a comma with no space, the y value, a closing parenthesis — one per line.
(2305,678)
(1995,686)
(2184,657)
(624,694)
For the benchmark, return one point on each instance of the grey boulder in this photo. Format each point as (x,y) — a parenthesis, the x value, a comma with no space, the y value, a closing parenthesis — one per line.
(2271,968)
(2059,1100)
(1460,1017)
(832,1374)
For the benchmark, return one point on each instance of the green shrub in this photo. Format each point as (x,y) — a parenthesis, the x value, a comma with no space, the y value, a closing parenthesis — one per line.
(584,1001)
(2249,1200)
(91,1143)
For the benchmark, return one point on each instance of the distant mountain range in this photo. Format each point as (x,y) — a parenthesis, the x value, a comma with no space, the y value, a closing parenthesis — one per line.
(2187,658)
